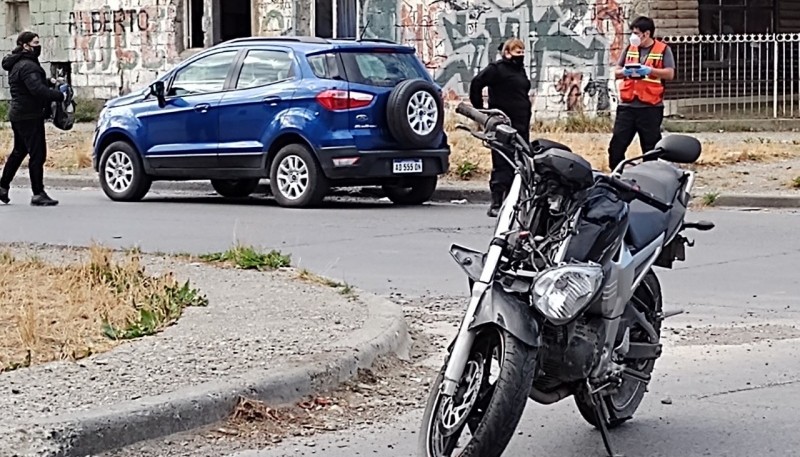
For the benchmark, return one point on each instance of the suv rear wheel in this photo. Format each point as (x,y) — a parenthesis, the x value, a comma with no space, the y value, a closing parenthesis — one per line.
(295,178)
(418,192)
(415,113)
(122,175)
(235,188)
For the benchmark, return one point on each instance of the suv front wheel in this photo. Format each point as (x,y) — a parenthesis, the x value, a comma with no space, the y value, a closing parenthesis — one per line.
(295,178)
(418,192)
(122,175)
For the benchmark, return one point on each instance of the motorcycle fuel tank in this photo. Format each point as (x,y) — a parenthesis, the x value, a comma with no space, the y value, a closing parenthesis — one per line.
(604,219)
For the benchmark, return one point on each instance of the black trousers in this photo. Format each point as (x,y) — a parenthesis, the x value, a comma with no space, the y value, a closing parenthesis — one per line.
(502,172)
(644,121)
(29,140)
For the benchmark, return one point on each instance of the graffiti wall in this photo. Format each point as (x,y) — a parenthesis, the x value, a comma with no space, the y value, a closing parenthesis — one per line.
(115,46)
(275,17)
(570,45)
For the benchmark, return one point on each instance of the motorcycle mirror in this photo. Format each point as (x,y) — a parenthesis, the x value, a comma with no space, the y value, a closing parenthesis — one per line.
(679,149)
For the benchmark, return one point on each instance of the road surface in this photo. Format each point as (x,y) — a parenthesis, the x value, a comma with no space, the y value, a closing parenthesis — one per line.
(733,399)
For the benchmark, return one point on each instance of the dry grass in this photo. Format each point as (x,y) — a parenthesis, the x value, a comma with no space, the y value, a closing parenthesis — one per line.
(65,150)
(69,311)
(469,154)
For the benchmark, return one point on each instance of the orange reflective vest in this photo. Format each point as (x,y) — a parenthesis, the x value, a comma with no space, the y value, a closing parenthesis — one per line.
(649,89)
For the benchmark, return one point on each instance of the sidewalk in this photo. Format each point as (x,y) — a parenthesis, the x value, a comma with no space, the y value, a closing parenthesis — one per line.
(476,191)
(266,336)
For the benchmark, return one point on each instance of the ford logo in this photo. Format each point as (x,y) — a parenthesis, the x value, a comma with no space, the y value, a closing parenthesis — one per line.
(362,118)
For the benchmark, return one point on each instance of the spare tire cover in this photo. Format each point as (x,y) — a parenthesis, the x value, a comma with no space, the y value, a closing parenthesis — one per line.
(415,113)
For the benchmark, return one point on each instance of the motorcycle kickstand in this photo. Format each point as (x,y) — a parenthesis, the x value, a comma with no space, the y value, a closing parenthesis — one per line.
(601,413)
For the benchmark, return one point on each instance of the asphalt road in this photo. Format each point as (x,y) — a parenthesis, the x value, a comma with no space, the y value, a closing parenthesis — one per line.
(735,400)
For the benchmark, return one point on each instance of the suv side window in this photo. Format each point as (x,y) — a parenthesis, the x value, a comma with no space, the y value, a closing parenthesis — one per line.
(203,76)
(381,68)
(325,66)
(262,67)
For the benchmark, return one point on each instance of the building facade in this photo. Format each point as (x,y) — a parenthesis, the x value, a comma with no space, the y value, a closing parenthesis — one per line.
(109,47)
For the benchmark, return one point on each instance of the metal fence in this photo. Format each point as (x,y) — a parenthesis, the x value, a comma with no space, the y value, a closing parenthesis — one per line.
(735,76)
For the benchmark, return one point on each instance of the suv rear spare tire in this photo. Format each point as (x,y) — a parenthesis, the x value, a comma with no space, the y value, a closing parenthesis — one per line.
(416,192)
(415,113)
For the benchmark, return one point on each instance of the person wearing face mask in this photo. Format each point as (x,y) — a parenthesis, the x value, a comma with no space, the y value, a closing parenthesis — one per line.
(643,68)
(509,88)
(31,95)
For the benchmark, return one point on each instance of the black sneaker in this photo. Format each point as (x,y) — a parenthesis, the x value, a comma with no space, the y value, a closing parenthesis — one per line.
(4,196)
(43,200)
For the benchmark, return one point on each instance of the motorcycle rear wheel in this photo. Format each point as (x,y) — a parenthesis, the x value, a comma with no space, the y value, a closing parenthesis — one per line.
(491,411)
(624,403)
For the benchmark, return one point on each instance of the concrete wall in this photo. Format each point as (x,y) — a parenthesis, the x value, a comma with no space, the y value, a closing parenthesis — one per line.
(110,46)
(571,45)
(114,46)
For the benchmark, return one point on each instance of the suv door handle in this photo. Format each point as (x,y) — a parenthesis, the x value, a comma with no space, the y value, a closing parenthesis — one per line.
(202,108)
(272,100)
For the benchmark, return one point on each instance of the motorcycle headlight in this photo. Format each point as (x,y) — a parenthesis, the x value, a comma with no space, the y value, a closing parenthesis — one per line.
(561,293)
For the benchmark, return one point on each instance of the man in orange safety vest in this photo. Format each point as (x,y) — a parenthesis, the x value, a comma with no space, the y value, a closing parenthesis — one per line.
(643,67)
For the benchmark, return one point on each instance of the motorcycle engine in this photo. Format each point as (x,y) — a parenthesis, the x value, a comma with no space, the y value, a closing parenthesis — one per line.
(570,352)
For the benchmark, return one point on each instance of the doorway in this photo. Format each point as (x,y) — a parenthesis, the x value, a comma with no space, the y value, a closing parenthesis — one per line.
(235,19)
(335,18)
(195,38)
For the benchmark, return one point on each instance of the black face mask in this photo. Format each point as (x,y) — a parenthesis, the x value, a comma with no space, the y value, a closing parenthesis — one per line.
(517,61)
(37,50)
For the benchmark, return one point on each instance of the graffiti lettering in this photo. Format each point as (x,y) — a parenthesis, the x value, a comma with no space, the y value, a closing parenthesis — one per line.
(566,45)
(107,21)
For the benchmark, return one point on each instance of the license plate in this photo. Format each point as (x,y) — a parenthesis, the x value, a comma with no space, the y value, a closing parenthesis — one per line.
(408,166)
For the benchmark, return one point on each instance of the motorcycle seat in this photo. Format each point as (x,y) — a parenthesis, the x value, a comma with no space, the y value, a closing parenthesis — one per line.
(646,223)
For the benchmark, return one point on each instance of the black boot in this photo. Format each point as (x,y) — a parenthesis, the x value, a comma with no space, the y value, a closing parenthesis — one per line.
(4,196)
(497,202)
(42,199)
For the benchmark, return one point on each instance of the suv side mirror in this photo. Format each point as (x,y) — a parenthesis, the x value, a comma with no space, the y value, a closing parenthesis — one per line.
(158,90)
(678,149)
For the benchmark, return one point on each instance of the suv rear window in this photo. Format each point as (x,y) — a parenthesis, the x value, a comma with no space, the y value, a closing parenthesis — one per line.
(381,68)
(371,68)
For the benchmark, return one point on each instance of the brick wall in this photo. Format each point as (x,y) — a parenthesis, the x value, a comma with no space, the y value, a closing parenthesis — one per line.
(109,46)
(571,45)
(675,17)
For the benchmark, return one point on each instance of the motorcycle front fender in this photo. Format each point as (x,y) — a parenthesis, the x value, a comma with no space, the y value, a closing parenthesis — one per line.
(500,308)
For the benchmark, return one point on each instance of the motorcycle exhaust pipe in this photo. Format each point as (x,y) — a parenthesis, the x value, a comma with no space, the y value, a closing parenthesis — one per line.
(548,398)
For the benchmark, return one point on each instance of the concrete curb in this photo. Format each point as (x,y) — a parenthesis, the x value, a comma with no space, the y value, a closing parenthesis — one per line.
(87,433)
(444,192)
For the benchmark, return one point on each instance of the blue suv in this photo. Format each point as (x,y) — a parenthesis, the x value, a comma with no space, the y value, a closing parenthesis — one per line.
(306,113)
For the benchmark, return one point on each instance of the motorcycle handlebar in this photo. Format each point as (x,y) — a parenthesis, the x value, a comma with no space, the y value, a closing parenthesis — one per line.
(644,197)
(470,112)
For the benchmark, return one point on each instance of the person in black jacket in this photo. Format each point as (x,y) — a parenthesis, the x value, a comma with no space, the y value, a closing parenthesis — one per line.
(31,96)
(509,89)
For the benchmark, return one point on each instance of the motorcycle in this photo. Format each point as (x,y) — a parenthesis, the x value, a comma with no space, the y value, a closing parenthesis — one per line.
(564,302)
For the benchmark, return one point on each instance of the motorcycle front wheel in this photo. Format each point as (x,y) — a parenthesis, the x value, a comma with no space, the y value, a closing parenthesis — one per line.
(488,402)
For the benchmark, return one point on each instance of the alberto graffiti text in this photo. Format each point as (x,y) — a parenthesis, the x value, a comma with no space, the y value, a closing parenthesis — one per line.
(570,45)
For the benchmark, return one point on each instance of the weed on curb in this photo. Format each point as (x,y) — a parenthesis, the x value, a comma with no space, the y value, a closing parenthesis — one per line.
(249,258)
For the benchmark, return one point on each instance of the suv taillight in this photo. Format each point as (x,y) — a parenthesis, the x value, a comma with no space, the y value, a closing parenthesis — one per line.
(340,100)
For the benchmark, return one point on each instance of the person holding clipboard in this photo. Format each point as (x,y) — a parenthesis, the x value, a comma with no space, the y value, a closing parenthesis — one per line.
(643,68)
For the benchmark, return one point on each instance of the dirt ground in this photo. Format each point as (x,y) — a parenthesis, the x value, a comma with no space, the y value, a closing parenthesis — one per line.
(740,162)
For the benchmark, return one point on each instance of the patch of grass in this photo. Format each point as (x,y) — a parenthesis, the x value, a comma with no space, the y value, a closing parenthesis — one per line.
(795,183)
(4,107)
(710,198)
(466,169)
(87,109)
(249,258)
(344,288)
(52,311)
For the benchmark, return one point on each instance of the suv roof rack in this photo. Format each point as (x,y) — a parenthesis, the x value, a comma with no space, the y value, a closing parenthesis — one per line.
(298,39)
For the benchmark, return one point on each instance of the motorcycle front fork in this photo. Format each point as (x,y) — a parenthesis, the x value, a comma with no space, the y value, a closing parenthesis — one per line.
(463,343)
